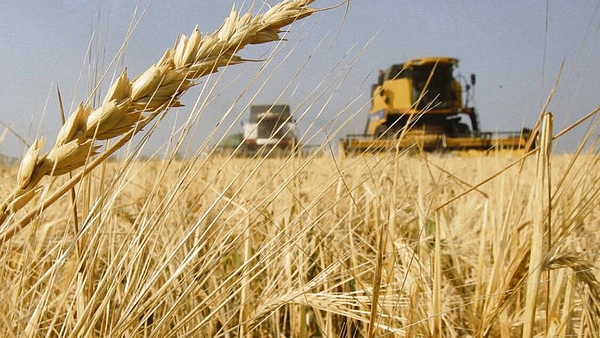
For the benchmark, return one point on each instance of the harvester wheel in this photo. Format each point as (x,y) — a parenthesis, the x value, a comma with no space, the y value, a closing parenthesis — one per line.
(463,130)
(381,131)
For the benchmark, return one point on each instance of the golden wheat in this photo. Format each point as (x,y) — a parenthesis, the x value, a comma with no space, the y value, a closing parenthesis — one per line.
(129,105)
(211,246)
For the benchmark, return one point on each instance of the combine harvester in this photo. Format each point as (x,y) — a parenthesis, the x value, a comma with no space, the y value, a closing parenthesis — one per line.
(271,131)
(418,105)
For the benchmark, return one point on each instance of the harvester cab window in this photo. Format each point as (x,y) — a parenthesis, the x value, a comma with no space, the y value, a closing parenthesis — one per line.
(395,72)
(439,91)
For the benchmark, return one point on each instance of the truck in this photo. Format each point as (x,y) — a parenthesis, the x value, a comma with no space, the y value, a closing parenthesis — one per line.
(419,105)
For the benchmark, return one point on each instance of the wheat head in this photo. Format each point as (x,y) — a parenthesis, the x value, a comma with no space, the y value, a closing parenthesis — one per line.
(131,104)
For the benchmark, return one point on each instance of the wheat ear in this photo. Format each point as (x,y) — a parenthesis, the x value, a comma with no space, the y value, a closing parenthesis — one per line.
(129,105)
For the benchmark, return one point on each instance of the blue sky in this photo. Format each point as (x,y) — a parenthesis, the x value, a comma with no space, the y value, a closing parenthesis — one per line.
(326,67)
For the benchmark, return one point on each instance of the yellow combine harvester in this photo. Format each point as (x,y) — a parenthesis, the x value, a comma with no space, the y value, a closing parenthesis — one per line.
(418,104)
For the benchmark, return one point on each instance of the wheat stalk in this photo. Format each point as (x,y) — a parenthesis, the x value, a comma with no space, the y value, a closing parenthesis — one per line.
(539,224)
(130,105)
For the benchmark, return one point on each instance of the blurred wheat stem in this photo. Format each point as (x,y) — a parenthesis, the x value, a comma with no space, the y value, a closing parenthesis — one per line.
(129,105)
(540,218)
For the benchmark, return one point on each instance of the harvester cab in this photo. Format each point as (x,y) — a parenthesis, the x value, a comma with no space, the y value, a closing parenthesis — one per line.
(270,129)
(419,93)
(419,103)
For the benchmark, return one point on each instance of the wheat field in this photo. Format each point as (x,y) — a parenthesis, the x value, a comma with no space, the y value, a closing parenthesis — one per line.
(300,247)
(398,244)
